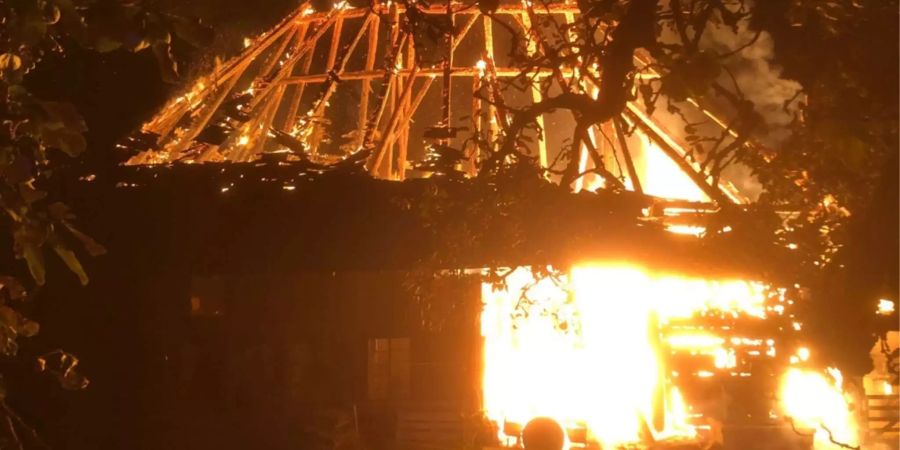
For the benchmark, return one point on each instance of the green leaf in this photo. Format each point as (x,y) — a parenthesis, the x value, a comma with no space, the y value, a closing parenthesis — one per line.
(29,193)
(10,68)
(67,140)
(28,328)
(60,211)
(35,260)
(72,262)
(64,114)
(105,44)
(13,287)
(9,317)
(10,61)
(90,245)
(62,128)
(64,366)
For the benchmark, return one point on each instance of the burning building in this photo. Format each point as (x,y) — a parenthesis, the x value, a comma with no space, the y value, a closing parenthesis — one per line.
(632,333)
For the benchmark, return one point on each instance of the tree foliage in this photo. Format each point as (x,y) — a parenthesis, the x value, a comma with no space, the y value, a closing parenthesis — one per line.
(35,132)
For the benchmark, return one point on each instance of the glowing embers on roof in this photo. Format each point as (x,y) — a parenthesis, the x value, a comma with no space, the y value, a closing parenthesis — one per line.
(588,348)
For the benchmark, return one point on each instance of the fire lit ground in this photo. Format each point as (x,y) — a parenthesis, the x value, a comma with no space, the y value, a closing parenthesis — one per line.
(619,354)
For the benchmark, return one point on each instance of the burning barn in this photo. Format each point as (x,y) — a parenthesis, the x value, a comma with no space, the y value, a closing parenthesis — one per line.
(320,173)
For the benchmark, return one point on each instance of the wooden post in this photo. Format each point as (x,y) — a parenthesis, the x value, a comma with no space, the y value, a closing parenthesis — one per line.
(403,149)
(319,108)
(270,64)
(387,82)
(366,83)
(536,95)
(266,123)
(307,46)
(297,96)
(387,151)
(448,65)
(472,154)
(489,61)
(387,139)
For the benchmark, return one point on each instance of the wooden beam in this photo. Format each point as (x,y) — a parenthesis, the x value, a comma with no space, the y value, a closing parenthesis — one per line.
(166,122)
(536,94)
(472,153)
(273,60)
(366,84)
(266,124)
(458,8)
(291,116)
(199,124)
(502,72)
(446,89)
(414,105)
(307,46)
(674,151)
(387,82)
(488,25)
(388,137)
(319,107)
(403,146)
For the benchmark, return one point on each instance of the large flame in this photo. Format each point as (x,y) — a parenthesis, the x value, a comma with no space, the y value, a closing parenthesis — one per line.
(586,348)
(817,402)
(663,178)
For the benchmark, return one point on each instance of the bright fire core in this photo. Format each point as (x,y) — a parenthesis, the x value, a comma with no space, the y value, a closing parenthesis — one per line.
(590,349)
(586,350)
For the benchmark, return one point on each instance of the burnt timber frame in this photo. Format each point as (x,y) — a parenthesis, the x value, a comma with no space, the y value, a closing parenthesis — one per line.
(292,44)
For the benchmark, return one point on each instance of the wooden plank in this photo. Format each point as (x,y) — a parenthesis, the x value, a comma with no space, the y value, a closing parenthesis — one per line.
(458,8)
(488,26)
(446,88)
(319,108)
(366,83)
(403,147)
(388,80)
(387,138)
(307,46)
(197,127)
(291,116)
(531,49)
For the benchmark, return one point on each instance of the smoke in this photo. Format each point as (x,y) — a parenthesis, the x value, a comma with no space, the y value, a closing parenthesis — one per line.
(756,76)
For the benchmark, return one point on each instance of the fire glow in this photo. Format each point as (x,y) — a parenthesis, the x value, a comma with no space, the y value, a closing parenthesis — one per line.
(587,349)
